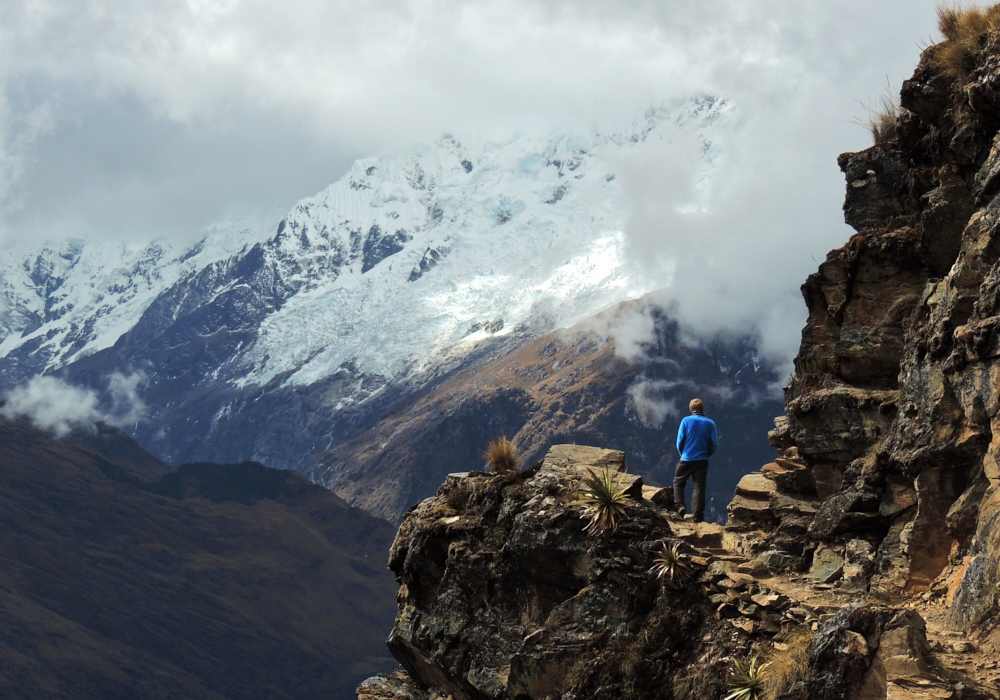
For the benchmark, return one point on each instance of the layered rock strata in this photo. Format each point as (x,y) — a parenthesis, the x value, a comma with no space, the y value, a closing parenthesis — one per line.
(888,443)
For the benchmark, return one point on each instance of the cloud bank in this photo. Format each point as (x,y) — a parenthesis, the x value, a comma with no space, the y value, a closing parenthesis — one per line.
(140,119)
(59,407)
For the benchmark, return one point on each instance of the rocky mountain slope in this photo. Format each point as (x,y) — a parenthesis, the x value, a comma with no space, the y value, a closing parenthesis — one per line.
(565,386)
(434,241)
(122,578)
(894,404)
(863,561)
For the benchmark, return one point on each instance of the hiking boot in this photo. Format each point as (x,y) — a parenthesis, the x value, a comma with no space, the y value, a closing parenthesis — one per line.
(682,511)
(698,518)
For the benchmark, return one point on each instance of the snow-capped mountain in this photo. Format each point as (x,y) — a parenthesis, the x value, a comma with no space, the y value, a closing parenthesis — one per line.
(406,255)
(73,298)
(281,341)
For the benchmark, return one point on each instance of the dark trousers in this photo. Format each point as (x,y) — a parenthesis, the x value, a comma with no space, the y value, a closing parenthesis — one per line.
(698,470)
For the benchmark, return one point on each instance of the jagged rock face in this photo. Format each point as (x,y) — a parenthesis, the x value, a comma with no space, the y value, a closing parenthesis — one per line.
(503,595)
(894,404)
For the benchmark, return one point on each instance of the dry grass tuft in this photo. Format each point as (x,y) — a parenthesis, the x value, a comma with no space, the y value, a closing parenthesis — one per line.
(789,665)
(882,118)
(501,455)
(966,30)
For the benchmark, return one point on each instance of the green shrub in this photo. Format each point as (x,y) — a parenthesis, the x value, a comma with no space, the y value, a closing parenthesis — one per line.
(672,565)
(746,682)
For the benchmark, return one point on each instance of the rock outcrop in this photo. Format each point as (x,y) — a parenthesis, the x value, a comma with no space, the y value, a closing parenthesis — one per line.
(892,411)
(503,595)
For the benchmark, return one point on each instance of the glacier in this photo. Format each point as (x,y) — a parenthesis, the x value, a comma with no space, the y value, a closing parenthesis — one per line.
(70,299)
(409,255)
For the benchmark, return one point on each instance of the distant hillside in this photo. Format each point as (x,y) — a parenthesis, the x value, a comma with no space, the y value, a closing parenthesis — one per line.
(213,581)
(563,387)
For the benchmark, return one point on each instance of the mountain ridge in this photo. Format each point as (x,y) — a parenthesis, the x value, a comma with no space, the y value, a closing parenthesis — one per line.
(414,269)
(222,587)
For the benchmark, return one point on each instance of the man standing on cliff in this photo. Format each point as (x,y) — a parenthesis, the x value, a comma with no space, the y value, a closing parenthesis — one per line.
(697,439)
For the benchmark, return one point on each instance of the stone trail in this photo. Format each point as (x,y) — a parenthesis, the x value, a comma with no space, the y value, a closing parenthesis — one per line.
(759,595)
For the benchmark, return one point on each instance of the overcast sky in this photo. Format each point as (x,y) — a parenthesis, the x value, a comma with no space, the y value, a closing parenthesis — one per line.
(135,119)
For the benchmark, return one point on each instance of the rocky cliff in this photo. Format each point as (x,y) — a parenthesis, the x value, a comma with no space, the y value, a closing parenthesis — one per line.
(894,404)
(864,562)
(504,595)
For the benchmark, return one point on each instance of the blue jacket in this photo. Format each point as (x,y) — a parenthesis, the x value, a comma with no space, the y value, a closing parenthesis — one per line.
(697,438)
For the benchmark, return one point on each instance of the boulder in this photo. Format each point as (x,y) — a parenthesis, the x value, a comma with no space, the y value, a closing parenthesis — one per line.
(756,486)
(396,686)
(584,456)
(579,461)
(903,648)
(827,565)
(777,561)
(662,497)
(842,650)
(902,666)
(795,479)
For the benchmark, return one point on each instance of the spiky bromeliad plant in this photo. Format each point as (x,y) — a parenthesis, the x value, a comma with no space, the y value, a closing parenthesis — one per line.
(746,682)
(672,565)
(604,500)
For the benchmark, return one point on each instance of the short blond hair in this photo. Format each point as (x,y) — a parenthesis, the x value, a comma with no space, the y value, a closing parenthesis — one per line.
(696,406)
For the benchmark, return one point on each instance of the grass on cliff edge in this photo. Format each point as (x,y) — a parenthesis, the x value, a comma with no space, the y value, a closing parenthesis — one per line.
(501,455)
(882,116)
(966,30)
(772,675)
(789,664)
(604,498)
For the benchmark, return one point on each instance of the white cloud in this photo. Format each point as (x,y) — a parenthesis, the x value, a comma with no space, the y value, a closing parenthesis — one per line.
(55,405)
(52,404)
(650,400)
(126,404)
